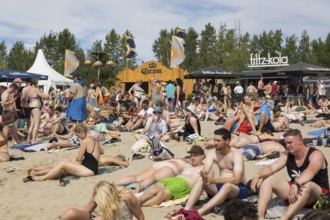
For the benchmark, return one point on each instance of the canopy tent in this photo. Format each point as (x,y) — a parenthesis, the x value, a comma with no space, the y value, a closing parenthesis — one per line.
(294,70)
(41,66)
(305,69)
(9,75)
(212,72)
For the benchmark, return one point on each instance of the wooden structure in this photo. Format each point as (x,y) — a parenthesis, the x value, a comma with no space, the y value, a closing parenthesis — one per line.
(149,70)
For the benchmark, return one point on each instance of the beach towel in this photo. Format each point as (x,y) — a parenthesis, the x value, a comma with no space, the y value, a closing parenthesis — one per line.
(23,146)
(277,207)
(317,132)
(102,170)
(267,162)
(169,203)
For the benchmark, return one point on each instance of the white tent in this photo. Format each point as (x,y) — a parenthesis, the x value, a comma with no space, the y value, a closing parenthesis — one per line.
(41,66)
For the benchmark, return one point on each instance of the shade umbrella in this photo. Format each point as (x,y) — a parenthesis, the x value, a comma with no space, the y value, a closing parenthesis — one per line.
(8,75)
(212,72)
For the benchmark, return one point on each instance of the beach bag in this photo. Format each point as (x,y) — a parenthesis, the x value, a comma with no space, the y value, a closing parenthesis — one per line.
(8,117)
(141,146)
(323,202)
(159,151)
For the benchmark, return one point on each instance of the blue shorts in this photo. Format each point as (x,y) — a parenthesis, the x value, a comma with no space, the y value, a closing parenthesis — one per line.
(250,151)
(243,190)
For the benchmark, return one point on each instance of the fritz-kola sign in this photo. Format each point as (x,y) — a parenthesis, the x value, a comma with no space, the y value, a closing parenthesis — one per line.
(257,61)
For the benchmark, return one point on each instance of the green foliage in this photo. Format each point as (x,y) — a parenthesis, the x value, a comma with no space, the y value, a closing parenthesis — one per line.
(162,47)
(3,54)
(213,46)
(305,48)
(19,57)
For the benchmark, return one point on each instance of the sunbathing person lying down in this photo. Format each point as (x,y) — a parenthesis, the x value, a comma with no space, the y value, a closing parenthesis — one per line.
(178,186)
(261,150)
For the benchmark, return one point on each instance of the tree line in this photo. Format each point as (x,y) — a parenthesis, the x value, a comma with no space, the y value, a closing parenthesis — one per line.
(222,46)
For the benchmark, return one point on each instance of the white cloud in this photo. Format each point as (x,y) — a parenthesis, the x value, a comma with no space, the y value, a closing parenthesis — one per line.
(27,21)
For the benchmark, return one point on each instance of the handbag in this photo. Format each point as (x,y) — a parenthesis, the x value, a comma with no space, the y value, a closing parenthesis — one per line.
(8,117)
(159,151)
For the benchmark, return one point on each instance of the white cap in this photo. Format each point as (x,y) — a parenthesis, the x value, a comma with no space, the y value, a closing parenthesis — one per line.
(275,82)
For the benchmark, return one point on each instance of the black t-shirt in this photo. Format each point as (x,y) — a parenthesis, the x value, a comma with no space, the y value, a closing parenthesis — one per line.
(19,97)
(321,178)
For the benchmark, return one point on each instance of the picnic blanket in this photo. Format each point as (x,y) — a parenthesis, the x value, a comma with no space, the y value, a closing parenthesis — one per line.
(23,146)
(102,170)
(318,132)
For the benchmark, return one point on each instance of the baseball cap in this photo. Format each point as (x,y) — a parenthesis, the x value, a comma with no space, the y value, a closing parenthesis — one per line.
(17,80)
(196,149)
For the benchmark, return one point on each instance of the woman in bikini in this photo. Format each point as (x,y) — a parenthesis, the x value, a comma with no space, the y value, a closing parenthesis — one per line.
(154,173)
(86,163)
(34,95)
(137,93)
(211,110)
(113,203)
(4,153)
(92,96)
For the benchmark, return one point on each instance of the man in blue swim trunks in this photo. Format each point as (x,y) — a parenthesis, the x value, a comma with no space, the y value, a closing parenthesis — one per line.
(261,150)
(179,186)
(231,182)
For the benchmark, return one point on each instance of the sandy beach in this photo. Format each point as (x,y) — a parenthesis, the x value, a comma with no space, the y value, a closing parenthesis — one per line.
(47,200)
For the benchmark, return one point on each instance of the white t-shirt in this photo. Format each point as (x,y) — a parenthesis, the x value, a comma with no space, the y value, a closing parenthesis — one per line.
(144,112)
(238,89)
(159,127)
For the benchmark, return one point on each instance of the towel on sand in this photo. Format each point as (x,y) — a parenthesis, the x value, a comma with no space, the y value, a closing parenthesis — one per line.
(102,170)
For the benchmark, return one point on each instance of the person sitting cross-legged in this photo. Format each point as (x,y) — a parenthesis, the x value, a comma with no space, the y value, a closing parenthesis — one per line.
(231,184)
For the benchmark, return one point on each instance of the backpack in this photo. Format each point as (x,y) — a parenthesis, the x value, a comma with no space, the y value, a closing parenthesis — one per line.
(159,151)
(323,202)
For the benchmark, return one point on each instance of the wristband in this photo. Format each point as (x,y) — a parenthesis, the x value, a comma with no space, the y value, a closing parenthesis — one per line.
(297,184)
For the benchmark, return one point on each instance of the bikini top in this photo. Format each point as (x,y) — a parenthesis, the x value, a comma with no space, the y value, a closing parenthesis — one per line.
(33,97)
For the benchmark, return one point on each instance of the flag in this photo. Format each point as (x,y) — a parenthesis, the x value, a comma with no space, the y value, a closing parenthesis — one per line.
(130,47)
(71,63)
(177,49)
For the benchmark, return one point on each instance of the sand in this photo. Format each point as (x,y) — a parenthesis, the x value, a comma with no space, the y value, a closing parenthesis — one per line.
(47,200)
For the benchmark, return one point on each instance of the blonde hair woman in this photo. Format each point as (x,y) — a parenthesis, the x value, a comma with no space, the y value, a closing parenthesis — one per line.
(86,163)
(114,204)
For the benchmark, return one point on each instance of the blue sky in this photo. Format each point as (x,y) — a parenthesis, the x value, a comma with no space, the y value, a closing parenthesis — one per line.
(27,21)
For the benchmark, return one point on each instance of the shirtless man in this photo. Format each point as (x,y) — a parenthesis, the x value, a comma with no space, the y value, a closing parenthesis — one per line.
(67,95)
(240,139)
(224,92)
(279,123)
(268,90)
(231,182)
(178,186)
(261,85)
(156,172)
(8,105)
(251,90)
(261,150)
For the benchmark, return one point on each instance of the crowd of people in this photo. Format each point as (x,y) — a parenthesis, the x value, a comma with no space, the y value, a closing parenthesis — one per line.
(248,120)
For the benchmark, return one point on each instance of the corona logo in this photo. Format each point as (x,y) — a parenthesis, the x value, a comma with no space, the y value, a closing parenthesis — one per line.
(152,65)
